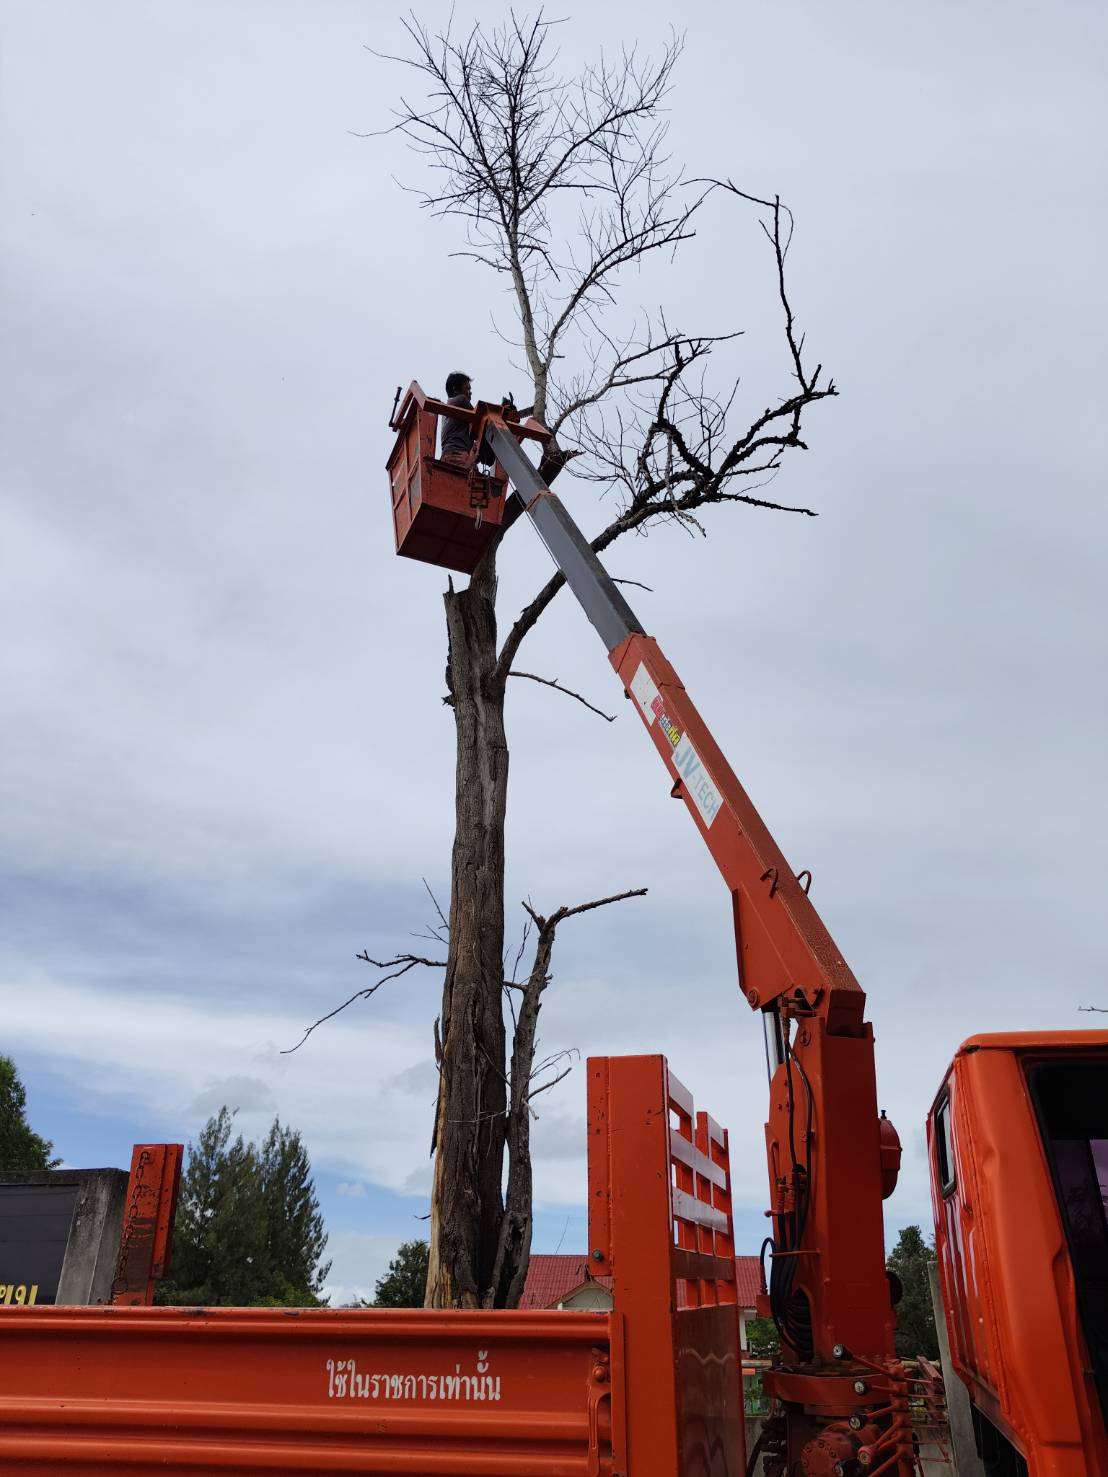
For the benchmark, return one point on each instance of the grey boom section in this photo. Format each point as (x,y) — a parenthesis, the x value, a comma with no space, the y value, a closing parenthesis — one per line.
(596,591)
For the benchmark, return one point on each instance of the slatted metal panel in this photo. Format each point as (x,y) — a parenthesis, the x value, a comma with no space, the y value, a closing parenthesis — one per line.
(660,1224)
(704,1258)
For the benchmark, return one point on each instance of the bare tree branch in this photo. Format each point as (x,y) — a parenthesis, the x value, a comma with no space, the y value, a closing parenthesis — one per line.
(398,965)
(553,1082)
(435,905)
(674,455)
(548,925)
(515,1229)
(557,686)
(506,140)
(524,936)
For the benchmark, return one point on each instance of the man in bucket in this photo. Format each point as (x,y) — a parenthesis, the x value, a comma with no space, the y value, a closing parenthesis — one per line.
(456,436)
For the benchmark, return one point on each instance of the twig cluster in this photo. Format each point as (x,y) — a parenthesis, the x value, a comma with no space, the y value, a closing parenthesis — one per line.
(399,964)
(524,1071)
(562,185)
(674,454)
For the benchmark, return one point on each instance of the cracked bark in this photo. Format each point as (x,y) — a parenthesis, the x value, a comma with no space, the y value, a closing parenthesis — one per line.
(466,1195)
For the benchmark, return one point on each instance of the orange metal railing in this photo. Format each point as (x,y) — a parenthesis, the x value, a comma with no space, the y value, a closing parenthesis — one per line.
(660,1224)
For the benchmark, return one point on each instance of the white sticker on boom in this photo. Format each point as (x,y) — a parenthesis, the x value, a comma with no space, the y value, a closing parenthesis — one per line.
(645,694)
(697,781)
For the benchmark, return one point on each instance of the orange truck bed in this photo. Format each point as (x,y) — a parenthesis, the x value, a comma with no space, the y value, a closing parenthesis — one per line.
(651,1389)
(250,1390)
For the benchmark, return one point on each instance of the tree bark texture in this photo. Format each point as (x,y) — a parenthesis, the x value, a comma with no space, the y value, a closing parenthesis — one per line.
(513,1251)
(466,1195)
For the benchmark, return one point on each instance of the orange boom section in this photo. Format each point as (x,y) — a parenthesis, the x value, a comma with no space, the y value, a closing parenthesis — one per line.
(652,1389)
(1018,1143)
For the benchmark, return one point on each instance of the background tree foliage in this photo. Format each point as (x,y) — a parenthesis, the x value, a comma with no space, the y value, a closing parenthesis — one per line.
(405,1283)
(915,1319)
(762,1340)
(248,1231)
(295,1235)
(20,1146)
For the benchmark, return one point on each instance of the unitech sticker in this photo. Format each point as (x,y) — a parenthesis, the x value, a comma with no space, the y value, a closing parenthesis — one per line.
(645,694)
(697,781)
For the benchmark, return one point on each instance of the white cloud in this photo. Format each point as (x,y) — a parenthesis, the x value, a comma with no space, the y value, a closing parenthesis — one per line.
(358,1259)
(158,1057)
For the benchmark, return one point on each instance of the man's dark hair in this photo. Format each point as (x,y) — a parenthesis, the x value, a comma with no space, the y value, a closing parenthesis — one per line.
(456,382)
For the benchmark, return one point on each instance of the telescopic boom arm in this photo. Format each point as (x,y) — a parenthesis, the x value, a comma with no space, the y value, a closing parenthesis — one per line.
(785,952)
(831,1159)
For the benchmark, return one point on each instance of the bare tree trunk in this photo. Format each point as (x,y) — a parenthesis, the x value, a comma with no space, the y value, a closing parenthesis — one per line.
(466,1196)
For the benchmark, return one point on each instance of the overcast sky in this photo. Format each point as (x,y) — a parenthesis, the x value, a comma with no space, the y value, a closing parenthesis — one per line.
(226,766)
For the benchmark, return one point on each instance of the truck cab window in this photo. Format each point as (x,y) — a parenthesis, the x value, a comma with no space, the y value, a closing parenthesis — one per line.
(944,1147)
(1071,1101)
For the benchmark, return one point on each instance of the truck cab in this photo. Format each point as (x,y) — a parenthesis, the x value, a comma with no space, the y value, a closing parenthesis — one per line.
(1018,1153)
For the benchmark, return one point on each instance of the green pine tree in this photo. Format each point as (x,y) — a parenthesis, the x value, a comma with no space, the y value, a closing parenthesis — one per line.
(404,1285)
(915,1318)
(248,1231)
(295,1235)
(20,1146)
(192,1244)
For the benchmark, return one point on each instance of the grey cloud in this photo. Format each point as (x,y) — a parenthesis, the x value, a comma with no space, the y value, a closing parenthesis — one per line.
(418,1182)
(240,1094)
(555,1136)
(419,1081)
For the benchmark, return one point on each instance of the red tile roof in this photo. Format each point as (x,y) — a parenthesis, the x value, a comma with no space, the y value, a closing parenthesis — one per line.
(551,1278)
(748,1280)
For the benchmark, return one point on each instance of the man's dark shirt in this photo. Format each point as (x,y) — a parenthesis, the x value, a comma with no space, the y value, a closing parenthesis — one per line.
(456,435)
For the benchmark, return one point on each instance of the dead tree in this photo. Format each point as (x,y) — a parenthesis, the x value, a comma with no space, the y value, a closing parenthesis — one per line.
(560,183)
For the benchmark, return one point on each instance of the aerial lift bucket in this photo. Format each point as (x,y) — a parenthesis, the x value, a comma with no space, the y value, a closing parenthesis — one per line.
(443,512)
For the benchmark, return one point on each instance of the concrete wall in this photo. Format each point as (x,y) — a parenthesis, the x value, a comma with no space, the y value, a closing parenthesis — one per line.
(95,1227)
(94,1238)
